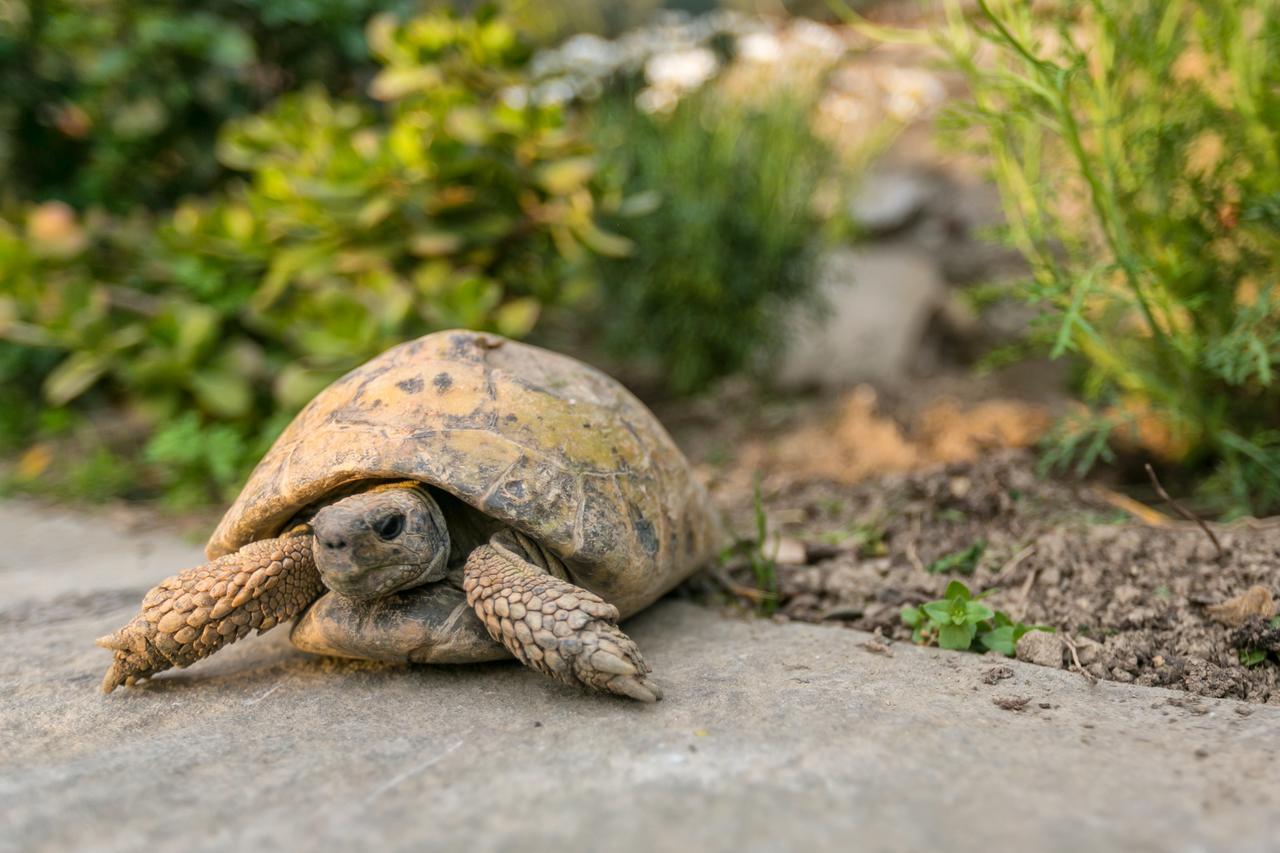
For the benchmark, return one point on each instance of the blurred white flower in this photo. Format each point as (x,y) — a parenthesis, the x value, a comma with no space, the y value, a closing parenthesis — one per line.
(588,53)
(841,108)
(909,92)
(552,92)
(516,97)
(815,39)
(760,47)
(656,101)
(681,70)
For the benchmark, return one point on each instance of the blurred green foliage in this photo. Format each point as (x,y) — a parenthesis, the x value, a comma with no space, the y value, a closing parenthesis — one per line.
(720,208)
(352,229)
(211,215)
(1137,148)
(118,102)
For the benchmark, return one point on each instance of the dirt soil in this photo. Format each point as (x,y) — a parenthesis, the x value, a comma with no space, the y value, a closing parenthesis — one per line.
(1134,600)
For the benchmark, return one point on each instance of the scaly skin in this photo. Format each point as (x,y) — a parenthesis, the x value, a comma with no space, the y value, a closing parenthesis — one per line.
(549,624)
(196,612)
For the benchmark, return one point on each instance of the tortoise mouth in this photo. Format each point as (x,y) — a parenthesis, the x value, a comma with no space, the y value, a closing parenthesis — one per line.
(379,581)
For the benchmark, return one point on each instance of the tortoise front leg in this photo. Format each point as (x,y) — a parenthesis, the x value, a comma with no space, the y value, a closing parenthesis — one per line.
(198,611)
(549,624)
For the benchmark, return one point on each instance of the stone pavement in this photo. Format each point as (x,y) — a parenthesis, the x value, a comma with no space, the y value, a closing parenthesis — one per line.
(772,737)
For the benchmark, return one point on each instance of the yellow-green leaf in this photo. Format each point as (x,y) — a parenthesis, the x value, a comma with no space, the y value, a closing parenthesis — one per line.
(374,211)
(516,318)
(296,385)
(73,376)
(284,266)
(431,244)
(604,242)
(566,176)
(238,222)
(394,83)
(222,393)
(468,124)
(197,326)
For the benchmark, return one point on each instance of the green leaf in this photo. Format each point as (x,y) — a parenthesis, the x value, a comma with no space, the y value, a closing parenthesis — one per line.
(938,611)
(605,243)
(957,637)
(432,244)
(1252,657)
(374,211)
(1000,640)
(517,318)
(73,376)
(976,612)
(296,385)
(394,83)
(285,266)
(468,125)
(197,327)
(963,562)
(232,48)
(640,204)
(911,616)
(565,176)
(956,589)
(222,393)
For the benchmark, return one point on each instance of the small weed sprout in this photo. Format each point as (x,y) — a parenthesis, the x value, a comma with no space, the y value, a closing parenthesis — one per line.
(963,562)
(763,566)
(961,622)
(867,538)
(1252,656)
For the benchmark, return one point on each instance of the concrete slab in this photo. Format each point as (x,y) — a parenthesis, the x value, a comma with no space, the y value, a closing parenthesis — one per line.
(772,737)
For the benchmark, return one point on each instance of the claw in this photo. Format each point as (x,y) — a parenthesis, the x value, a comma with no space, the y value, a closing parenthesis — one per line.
(642,691)
(112,641)
(611,663)
(112,679)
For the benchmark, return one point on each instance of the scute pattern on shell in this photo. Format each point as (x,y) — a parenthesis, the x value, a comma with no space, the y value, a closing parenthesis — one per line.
(542,442)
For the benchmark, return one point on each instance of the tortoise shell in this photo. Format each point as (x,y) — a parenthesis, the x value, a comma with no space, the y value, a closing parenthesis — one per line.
(539,441)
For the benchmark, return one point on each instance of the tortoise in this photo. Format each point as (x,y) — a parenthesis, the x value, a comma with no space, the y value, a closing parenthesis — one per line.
(459,498)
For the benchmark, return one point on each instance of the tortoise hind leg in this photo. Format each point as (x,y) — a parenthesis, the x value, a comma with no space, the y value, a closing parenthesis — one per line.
(550,624)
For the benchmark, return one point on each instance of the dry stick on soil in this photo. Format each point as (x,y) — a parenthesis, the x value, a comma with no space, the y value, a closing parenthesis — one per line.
(1184,512)
(914,557)
(1075,660)
(1011,564)
(1020,607)
(730,586)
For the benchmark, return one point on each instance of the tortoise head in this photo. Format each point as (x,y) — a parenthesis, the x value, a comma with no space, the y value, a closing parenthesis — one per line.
(381,541)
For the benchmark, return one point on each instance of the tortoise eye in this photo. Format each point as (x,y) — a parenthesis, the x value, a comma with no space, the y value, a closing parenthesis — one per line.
(389,527)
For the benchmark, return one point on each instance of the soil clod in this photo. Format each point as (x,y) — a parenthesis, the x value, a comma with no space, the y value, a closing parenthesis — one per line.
(997,674)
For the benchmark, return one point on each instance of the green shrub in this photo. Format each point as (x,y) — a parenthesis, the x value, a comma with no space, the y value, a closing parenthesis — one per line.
(1137,148)
(354,228)
(720,211)
(119,103)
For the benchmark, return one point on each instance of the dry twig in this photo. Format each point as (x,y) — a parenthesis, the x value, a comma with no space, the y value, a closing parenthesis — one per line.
(914,557)
(751,594)
(1021,606)
(1075,660)
(1011,564)
(1184,512)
